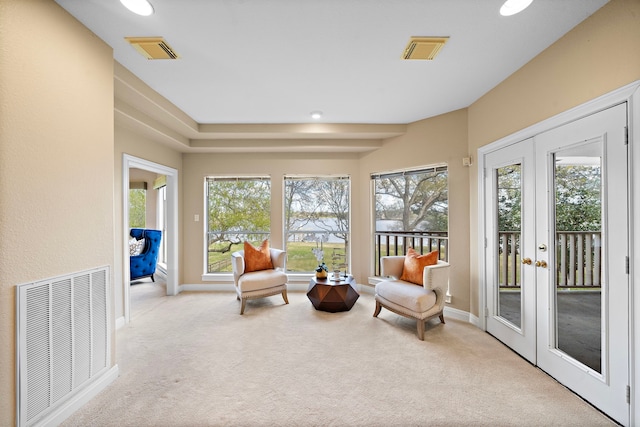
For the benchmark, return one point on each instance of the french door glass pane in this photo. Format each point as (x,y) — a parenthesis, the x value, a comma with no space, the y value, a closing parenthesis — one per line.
(578,225)
(509,210)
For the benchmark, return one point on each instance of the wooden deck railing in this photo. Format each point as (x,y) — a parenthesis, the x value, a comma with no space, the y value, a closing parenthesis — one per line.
(579,263)
(509,244)
(224,265)
(578,259)
(397,242)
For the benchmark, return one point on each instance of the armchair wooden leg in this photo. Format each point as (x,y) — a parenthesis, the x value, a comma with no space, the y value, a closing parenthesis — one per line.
(421,330)
(378,308)
(442,317)
(284,296)
(244,303)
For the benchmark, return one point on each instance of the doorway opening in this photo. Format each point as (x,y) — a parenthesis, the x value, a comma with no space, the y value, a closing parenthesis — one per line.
(169,219)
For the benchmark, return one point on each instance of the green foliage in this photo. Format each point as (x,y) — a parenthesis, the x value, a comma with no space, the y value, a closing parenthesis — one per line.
(578,203)
(237,207)
(509,198)
(137,208)
(240,210)
(578,198)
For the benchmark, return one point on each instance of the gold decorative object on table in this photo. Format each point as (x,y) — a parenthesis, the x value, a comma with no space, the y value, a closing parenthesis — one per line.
(321,273)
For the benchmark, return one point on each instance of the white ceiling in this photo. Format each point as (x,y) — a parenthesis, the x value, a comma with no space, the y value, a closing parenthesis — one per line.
(275,61)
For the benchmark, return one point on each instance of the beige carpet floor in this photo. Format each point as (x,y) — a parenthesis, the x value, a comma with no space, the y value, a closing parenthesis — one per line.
(192,360)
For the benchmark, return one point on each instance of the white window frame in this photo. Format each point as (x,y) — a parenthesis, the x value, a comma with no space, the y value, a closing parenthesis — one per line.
(305,274)
(223,277)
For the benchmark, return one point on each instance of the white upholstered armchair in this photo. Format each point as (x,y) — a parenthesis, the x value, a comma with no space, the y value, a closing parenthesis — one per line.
(262,283)
(408,299)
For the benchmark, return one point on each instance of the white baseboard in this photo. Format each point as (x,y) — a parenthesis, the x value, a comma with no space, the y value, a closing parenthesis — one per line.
(475,320)
(65,410)
(205,287)
(120,322)
(457,314)
(367,289)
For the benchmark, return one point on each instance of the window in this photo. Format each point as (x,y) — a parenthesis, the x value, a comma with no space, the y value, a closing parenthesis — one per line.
(411,210)
(162,223)
(317,219)
(137,204)
(238,209)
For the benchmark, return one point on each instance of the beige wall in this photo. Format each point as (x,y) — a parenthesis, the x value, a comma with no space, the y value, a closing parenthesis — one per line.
(137,145)
(597,56)
(56,158)
(441,139)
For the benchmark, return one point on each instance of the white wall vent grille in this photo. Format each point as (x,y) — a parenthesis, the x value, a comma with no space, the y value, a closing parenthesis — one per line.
(63,330)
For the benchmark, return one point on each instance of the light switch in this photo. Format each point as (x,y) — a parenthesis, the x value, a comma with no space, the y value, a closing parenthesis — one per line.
(196,217)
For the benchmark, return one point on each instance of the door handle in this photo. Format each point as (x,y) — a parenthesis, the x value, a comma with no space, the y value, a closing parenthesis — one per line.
(526,261)
(542,264)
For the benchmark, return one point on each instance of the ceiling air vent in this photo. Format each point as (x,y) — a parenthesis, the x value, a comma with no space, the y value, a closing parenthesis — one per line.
(152,47)
(424,47)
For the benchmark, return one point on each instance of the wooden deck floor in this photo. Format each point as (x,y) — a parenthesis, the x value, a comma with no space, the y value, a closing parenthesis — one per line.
(579,320)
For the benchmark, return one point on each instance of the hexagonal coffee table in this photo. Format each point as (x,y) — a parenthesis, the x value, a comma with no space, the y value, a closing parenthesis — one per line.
(332,295)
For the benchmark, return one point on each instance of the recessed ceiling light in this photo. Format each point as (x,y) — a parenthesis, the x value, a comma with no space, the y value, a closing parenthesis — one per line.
(316,115)
(140,7)
(511,7)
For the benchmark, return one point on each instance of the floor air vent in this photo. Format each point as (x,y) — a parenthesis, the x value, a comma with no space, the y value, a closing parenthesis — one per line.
(63,340)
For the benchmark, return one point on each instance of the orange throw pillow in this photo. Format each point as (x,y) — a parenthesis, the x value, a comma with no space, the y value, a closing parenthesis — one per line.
(256,259)
(414,265)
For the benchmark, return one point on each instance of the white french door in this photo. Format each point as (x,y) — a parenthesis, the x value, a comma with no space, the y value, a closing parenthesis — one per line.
(573,316)
(511,298)
(557,255)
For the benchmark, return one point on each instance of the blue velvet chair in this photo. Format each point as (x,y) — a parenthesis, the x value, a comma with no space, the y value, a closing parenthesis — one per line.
(144,265)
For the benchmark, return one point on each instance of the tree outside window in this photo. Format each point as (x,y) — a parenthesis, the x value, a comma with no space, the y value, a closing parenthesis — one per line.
(412,201)
(137,204)
(578,198)
(317,222)
(411,209)
(238,209)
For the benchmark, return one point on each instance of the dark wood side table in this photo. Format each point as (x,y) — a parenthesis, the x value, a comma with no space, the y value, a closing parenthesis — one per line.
(332,295)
